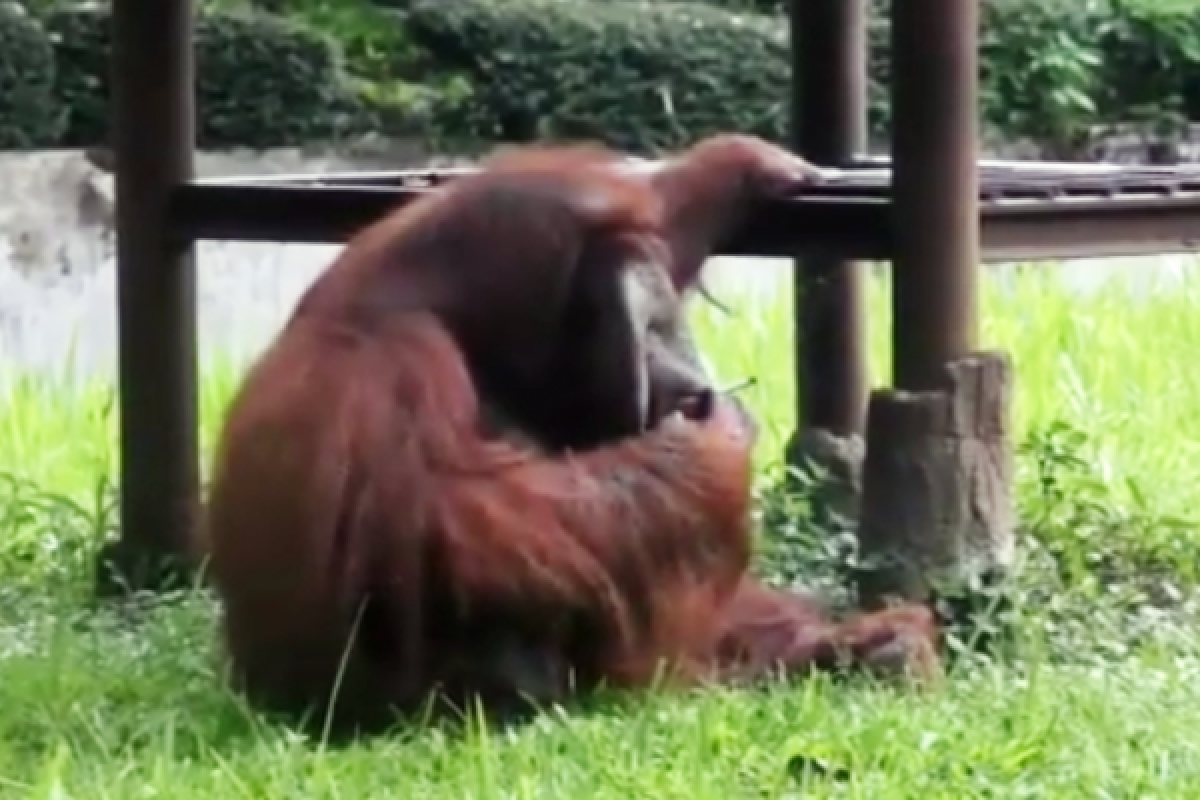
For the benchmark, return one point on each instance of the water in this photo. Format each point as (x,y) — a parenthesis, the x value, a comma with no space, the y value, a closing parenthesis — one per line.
(57,287)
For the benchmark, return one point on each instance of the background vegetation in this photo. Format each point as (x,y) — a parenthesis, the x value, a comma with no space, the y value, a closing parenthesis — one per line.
(642,74)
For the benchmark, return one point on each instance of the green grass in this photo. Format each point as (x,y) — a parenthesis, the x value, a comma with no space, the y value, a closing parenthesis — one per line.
(1099,698)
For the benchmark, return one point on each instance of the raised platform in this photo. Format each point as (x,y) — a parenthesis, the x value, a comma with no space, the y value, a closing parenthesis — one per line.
(1030,210)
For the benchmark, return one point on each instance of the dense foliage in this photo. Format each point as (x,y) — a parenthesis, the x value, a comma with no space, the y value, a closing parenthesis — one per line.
(28,115)
(549,69)
(645,74)
(261,79)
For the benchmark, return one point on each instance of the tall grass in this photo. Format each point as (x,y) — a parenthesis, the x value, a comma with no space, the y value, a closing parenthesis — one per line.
(1101,701)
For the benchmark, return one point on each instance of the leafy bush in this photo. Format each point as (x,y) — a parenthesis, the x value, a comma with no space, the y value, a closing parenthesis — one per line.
(1054,70)
(642,74)
(260,80)
(369,34)
(1040,69)
(1151,62)
(647,80)
(649,74)
(28,115)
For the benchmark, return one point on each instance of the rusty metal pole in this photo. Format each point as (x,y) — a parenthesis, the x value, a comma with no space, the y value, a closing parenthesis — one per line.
(153,130)
(935,187)
(829,125)
(829,122)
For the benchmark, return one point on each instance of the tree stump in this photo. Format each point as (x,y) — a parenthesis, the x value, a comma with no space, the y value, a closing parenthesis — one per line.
(937,516)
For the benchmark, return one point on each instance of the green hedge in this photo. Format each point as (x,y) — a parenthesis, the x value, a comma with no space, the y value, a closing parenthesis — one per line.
(643,76)
(260,80)
(737,6)
(29,117)
(649,74)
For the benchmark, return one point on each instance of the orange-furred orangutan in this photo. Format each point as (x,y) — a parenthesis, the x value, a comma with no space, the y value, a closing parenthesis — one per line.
(482,458)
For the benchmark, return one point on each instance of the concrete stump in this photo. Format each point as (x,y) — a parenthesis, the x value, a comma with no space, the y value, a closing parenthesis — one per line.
(937,516)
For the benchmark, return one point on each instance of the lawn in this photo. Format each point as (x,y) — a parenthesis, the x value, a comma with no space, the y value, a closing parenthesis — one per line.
(1099,697)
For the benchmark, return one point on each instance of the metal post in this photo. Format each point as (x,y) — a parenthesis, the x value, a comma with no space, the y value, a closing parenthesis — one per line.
(937,513)
(829,125)
(153,132)
(935,187)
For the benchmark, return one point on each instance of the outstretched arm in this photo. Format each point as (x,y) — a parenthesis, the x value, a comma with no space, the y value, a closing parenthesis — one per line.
(708,189)
(771,631)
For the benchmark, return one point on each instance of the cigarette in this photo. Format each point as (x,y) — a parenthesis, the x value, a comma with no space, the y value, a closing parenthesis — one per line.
(741,385)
